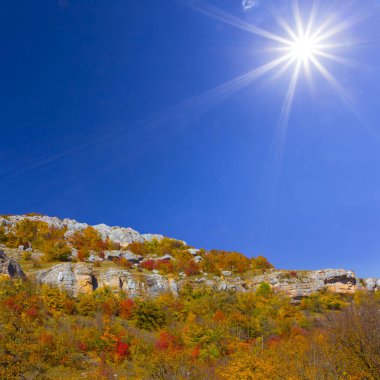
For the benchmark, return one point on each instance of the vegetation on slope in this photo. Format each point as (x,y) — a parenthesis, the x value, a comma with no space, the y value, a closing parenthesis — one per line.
(46,334)
(166,255)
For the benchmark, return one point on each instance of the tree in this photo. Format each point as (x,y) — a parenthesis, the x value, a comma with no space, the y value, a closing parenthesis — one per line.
(148,316)
(55,250)
(87,240)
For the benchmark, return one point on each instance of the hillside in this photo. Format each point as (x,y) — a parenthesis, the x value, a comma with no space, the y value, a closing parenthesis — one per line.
(123,259)
(80,301)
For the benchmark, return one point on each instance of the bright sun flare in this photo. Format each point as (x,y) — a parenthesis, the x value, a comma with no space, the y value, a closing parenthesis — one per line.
(303,49)
(307,41)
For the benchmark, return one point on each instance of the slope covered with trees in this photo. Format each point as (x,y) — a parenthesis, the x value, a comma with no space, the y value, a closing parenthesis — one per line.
(194,333)
(45,333)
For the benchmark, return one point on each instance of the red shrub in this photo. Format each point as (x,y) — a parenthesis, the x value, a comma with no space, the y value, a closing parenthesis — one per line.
(196,352)
(274,340)
(82,346)
(121,349)
(149,264)
(219,316)
(32,312)
(126,308)
(13,305)
(191,268)
(165,341)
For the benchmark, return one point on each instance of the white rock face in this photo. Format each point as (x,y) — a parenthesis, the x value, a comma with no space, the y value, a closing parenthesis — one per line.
(193,251)
(121,235)
(73,278)
(309,282)
(372,284)
(79,278)
(150,237)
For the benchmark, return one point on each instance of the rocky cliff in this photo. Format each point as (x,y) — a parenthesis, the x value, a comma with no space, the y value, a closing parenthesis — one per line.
(106,270)
(122,235)
(83,277)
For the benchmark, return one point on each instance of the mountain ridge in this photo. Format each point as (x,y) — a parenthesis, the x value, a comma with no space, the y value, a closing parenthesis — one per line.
(150,264)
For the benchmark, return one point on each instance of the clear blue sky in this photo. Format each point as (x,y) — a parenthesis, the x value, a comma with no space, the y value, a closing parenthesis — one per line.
(105,116)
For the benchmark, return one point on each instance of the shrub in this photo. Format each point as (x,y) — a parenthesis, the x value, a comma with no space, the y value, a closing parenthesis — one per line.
(260,262)
(26,255)
(191,269)
(264,290)
(56,251)
(126,308)
(218,260)
(87,240)
(148,316)
(123,262)
(149,264)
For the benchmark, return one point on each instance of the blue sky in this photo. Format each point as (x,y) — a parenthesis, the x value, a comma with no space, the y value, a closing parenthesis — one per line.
(109,113)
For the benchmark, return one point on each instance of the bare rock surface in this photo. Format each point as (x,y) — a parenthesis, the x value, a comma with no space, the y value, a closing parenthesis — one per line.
(80,278)
(73,278)
(121,235)
(10,267)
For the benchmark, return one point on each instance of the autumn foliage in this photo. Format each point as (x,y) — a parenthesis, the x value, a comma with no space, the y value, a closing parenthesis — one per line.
(200,334)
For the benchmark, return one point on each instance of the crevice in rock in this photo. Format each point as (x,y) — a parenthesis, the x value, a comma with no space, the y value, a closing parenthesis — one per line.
(341,279)
(94,282)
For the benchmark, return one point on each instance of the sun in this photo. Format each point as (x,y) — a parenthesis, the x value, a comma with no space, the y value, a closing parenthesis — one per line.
(303,49)
(303,45)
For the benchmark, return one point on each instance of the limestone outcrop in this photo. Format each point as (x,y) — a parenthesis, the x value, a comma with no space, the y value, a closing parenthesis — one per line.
(121,235)
(83,277)
(73,278)
(9,267)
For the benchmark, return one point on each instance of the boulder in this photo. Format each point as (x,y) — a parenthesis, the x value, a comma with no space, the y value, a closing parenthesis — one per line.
(131,257)
(73,278)
(10,267)
(94,258)
(372,284)
(193,251)
(166,257)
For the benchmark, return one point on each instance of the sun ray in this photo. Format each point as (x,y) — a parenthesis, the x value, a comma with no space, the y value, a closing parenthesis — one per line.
(298,18)
(145,127)
(312,17)
(282,22)
(288,102)
(218,14)
(282,125)
(338,59)
(307,45)
(320,37)
(330,78)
